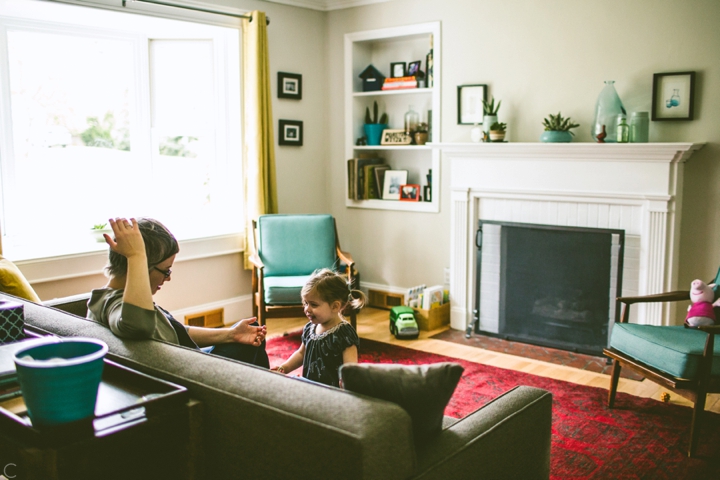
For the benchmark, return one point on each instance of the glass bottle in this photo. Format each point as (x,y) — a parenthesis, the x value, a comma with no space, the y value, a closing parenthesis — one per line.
(411,120)
(639,126)
(675,99)
(608,107)
(623,130)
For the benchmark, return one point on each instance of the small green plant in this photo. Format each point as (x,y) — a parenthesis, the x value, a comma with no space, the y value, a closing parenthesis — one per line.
(491,108)
(422,127)
(99,226)
(374,118)
(498,127)
(557,123)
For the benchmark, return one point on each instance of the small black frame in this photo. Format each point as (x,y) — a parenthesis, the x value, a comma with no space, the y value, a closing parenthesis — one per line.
(290,133)
(673,96)
(470,100)
(394,67)
(289,85)
(414,68)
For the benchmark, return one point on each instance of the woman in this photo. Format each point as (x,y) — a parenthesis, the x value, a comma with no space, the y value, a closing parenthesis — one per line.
(140,261)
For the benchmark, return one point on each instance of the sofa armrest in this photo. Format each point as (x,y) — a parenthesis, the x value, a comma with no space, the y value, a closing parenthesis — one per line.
(507,438)
(75,304)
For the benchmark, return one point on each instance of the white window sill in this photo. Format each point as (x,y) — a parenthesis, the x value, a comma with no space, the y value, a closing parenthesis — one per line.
(62,267)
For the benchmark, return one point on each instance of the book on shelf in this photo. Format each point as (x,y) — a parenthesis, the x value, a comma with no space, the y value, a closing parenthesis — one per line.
(357,189)
(379,173)
(400,83)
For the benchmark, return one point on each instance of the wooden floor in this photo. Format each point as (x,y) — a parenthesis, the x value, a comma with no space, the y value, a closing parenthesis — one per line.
(373,325)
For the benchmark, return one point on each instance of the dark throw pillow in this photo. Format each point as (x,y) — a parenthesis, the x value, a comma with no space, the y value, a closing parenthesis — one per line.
(422,390)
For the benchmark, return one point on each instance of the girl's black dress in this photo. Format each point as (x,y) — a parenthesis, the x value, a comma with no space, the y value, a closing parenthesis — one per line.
(323,353)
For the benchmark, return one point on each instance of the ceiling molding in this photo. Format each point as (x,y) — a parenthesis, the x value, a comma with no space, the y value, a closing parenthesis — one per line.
(327,5)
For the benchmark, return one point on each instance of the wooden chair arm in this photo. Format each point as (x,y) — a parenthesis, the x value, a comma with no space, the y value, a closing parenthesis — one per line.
(256,261)
(711,329)
(658,297)
(345,257)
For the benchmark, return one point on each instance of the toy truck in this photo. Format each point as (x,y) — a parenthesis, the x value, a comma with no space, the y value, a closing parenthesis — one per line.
(402,323)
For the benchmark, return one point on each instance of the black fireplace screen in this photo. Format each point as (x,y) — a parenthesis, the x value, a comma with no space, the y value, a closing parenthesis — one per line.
(555,284)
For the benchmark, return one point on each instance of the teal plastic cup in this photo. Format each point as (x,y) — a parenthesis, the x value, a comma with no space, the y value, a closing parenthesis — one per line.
(60,381)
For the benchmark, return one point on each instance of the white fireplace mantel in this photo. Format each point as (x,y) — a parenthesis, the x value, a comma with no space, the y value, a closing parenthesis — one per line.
(636,187)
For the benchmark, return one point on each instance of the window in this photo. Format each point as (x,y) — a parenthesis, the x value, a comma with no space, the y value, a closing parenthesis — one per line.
(112,114)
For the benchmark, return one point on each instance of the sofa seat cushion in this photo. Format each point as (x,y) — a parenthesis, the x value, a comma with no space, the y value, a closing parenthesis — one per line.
(284,290)
(674,349)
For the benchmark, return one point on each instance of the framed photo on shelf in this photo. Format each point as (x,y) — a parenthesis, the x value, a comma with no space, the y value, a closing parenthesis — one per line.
(410,193)
(397,69)
(291,133)
(413,68)
(289,85)
(673,96)
(393,179)
(395,137)
(470,104)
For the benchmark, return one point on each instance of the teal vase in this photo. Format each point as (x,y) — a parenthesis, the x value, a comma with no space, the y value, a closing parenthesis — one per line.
(373,132)
(607,109)
(556,136)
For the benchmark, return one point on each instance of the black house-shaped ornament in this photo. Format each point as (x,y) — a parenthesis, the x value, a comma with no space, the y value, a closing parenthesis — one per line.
(372,79)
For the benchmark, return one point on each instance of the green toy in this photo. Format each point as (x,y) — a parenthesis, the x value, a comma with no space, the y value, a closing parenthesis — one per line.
(402,323)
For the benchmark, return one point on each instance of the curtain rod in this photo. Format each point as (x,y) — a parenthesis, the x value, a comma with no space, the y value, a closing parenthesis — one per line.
(267,19)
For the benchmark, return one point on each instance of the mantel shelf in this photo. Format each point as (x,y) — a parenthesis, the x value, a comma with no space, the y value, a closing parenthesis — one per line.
(392,147)
(404,91)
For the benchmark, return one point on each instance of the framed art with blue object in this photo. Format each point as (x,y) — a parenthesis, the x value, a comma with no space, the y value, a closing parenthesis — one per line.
(673,96)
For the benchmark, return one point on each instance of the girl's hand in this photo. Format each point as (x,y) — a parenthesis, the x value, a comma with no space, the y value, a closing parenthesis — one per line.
(243,332)
(278,369)
(128,239)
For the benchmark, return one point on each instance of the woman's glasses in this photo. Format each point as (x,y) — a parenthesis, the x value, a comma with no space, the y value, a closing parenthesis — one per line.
(166,273)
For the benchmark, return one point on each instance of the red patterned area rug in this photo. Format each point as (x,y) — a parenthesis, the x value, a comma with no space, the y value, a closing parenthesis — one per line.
(638,439)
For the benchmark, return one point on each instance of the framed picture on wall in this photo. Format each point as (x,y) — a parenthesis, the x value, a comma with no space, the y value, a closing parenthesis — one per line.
(673,96)
(289,85)
(290,133)
(470,100)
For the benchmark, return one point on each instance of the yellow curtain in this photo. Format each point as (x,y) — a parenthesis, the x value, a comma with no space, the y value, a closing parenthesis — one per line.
(259,153)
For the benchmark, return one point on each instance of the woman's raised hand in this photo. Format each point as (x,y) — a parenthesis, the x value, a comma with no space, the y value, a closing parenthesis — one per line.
(243,332)
(128,239)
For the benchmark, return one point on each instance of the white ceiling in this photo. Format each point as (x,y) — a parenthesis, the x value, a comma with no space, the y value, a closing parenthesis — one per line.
(326,5)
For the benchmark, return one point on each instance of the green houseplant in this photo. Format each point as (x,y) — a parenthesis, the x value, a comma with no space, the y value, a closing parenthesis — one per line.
(374,127)
(557,129)
(98,230)
(497,132)
(490,111)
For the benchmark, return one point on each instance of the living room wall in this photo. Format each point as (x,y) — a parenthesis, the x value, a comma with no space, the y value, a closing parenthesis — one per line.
(539,58)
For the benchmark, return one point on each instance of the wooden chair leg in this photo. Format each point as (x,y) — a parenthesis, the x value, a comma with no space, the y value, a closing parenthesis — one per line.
(696,424)
(353,320)
(614,378)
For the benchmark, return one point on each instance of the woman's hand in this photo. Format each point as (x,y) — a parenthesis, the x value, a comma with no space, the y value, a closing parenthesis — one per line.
(243,332)
(128,239)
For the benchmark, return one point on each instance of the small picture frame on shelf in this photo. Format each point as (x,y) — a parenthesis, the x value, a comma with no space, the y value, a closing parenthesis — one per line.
(393,179)
(414,68)
(673,96)
(290,133)
(397,69)
(289,85)
(395,137)
(470,100)
(427,193)
(410,193)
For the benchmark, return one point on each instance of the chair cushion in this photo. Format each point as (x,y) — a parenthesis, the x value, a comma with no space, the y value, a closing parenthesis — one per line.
(12,281)
(284,290)
(675,349)
(296,244)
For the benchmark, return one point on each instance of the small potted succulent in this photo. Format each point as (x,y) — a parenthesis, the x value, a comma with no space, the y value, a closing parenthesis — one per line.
(497,132)
(557,129)
(98,230)
(421,133)
(373,126)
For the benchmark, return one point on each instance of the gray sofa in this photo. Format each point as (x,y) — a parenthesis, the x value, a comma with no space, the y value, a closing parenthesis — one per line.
(257,424)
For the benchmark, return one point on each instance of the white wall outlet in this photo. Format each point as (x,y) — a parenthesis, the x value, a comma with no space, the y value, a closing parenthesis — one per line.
(446,270)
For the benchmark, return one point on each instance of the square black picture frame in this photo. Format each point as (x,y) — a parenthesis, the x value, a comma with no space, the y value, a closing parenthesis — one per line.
(394,69)
(470,100)
(673,96)
(289,85)
(290,133)
(414,68)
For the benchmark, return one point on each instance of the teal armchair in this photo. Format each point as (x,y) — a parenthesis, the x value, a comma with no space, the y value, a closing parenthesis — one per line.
(683,360)
(288,249)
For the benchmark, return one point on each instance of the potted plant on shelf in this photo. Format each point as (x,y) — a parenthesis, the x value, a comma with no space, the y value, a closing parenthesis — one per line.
(373,127)
(490,111)
(497,132)
(557,129)
(421,133)
(98,231)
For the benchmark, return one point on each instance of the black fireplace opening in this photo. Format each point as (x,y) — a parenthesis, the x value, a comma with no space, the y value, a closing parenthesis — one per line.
(555,284)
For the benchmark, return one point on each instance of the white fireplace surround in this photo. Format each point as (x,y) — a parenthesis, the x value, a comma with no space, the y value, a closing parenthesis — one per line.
(635,187)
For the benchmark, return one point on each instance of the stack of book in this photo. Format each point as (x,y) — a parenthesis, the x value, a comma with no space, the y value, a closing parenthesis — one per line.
(398,83)
(365,178)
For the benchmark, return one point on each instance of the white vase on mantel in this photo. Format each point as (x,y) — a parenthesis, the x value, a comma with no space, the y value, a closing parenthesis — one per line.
(476,134)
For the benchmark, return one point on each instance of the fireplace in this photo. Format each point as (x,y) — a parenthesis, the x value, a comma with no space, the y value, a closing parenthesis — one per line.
(548,285)
(634,188)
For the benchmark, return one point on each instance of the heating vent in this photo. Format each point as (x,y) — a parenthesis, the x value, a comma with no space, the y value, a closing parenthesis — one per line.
(379,299)
(211,319)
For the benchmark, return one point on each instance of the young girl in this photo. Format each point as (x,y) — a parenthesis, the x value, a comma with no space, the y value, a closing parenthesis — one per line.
(328,341)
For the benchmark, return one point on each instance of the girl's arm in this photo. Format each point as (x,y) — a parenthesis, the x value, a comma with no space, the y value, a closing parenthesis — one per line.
(295,361)
(129,243)
(241,332)
(350,355)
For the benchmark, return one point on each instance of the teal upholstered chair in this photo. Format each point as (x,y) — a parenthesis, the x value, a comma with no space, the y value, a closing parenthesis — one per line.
(683,360)
(288,249)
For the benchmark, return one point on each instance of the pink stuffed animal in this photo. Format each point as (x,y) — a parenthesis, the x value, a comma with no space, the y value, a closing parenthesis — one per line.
(701,310)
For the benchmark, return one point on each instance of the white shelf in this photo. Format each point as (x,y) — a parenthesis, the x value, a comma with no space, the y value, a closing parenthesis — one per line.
(392,205)
(391,147)
(404,91)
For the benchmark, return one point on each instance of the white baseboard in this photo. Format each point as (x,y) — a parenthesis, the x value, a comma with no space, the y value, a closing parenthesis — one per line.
(365,286)
(235,309)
